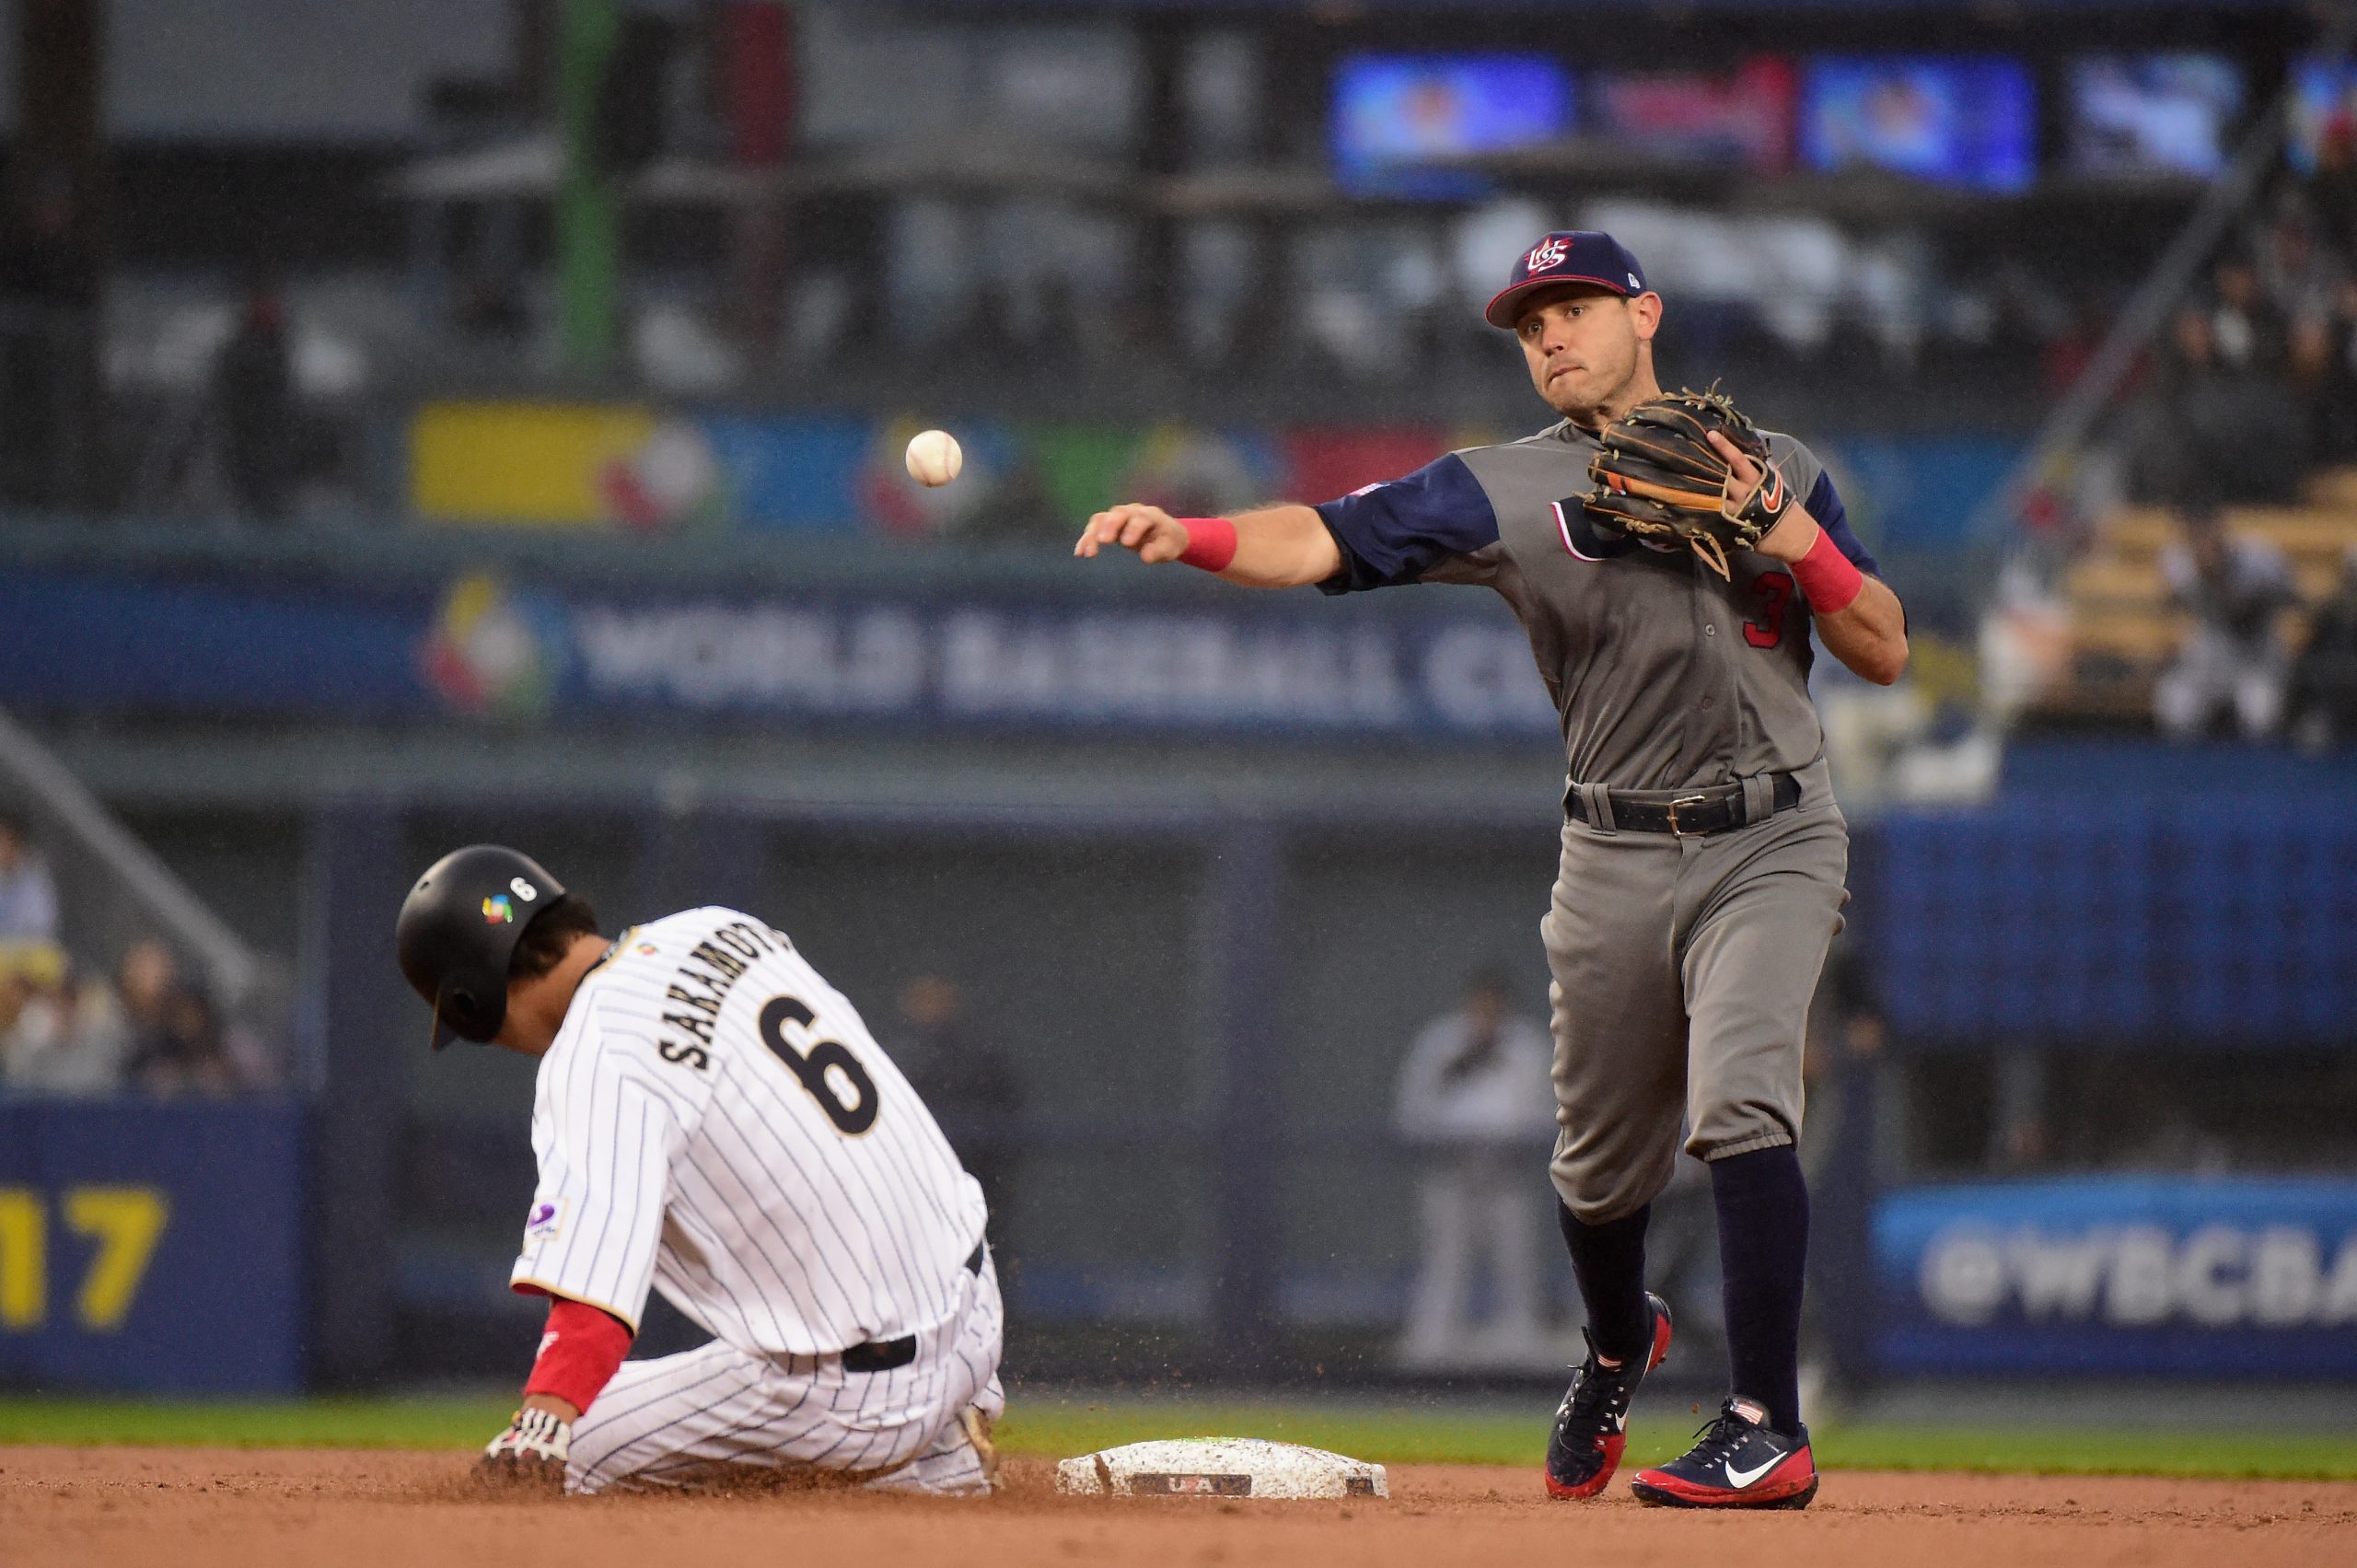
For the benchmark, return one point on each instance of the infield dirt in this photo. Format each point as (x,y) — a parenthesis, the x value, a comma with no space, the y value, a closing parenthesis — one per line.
(196,1508)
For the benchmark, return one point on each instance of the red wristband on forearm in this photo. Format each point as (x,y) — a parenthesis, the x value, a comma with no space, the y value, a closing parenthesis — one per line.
(1210,542)
(578,1353)
(1826,576)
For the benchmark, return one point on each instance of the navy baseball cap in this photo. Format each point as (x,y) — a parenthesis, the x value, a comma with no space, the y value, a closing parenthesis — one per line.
(1568,255)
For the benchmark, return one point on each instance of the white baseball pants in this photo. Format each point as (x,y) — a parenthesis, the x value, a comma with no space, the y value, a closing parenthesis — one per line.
(682,1418)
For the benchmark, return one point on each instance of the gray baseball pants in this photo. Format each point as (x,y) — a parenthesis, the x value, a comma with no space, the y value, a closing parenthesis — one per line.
(1683,971)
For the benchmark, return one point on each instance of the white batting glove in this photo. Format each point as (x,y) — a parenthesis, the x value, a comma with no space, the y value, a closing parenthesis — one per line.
(532,1451)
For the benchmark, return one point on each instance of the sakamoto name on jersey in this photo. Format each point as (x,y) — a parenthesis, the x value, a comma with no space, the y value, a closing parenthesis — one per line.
(724,955)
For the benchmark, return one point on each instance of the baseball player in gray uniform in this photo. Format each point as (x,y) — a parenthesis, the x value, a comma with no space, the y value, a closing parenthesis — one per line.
(1703,859)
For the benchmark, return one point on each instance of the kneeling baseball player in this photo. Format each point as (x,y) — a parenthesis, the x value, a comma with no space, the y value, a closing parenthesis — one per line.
(1671,560)
(713,1118)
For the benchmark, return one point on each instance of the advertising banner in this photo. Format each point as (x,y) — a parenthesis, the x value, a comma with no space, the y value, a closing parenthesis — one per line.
(631,468)
(546,464)
(634,468)
(151,1247)
(2119,1276)
(487,648)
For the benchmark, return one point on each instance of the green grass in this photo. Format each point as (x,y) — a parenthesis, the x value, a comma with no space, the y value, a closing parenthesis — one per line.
(427,1422)
(1057,1425)
(1408,1436)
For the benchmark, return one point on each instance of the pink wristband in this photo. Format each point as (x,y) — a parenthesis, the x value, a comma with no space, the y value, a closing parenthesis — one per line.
(1826,576)
(1210,542)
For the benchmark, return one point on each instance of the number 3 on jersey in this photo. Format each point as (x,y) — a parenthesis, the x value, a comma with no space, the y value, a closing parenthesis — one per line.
(1775,592)
(825,1070)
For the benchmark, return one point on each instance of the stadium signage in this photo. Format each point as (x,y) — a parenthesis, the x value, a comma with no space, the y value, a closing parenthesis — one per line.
(151,1247)
(512,653)
(2121,1275)
(1126,668)
(2221,1276)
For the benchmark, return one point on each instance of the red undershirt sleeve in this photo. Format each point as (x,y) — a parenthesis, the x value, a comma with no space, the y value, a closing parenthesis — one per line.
(579,1352)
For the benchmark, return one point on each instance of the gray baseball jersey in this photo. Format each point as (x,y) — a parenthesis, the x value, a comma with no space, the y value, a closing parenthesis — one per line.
(1682,967)
(1665,676)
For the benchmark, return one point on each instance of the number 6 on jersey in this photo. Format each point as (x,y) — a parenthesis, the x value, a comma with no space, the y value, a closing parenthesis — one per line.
(825,1071)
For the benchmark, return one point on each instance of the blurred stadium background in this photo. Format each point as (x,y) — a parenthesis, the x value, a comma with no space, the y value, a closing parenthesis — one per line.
(427,421)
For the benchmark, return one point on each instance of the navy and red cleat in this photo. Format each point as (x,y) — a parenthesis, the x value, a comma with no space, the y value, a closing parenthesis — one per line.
(1591,1425)
(1737,1463)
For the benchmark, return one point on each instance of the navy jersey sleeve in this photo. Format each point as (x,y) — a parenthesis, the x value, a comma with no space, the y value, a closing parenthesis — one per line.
(1397,532)
(1825,505)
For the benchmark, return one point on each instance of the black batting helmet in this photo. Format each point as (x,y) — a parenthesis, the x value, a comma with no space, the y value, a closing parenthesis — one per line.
(458,927)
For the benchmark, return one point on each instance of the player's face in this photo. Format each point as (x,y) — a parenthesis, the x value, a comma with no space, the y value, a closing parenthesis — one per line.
(1584,346)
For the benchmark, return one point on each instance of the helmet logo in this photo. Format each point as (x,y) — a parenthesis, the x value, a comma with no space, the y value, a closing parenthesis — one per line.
(524,889)
(498,910)
(1545,254)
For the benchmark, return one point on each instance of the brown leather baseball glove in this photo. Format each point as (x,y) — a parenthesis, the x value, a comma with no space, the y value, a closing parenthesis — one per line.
(1657,476)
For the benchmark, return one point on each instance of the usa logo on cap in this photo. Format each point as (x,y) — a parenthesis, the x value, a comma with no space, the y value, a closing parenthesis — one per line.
(1574,255)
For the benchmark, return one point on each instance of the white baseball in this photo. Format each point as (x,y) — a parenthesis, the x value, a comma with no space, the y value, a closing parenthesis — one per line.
(934,457)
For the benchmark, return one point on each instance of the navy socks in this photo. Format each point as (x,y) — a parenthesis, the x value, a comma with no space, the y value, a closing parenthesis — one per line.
(1609,1259)
(1762,1205)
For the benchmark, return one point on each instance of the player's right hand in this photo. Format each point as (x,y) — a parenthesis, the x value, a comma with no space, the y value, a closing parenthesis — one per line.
(530,1454)
(1154,534)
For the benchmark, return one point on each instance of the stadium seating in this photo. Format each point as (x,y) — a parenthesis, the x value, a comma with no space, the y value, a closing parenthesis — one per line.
(2124,628)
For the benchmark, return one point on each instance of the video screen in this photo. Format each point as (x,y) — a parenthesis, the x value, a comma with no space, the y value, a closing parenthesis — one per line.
(1951,121)
(1742,117)
(2153,113)
(1394,113)
(2324,112)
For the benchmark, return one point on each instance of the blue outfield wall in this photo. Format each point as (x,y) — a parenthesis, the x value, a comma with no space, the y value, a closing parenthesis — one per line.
(2099,919)
(153,1247)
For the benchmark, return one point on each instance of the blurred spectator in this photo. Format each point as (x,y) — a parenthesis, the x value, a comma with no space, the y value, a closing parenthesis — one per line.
(1062,338)
(489,303)
(969,1086)
(2067,355)
(28,904)
(2205,428)
(2237,589)
(2325,361)
(1475,1101)
(27,895)
(2298,276)
(2322,700)
(62,1038)
(47,289)
(2246,327)
(988,333)
(1850,1121)
(1847,1027)
(253,392)
(174,1039)
(2332,190)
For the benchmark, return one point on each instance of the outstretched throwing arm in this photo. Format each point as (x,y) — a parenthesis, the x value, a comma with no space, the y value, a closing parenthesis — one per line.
(1274,547)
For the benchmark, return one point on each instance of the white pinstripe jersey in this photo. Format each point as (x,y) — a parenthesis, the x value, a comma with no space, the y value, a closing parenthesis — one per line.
(715,1120)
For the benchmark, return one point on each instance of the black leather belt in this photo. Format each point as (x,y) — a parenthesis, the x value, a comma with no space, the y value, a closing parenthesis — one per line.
(887,1356)
(1689,814)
